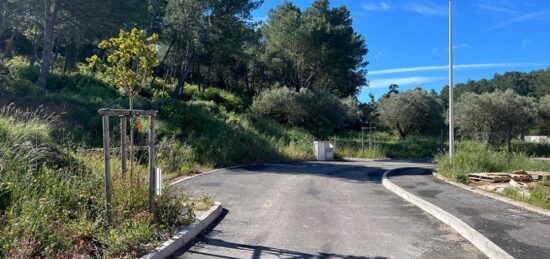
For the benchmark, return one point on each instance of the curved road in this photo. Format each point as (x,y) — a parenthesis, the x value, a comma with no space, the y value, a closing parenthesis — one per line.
(319,210)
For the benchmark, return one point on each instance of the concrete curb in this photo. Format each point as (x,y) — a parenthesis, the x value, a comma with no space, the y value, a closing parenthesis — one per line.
(482,243)
(518,204)
(209,172)
(186,235)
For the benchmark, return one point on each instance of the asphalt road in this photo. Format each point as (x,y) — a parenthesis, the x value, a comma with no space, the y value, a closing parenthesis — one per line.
(521,233)
(319,210)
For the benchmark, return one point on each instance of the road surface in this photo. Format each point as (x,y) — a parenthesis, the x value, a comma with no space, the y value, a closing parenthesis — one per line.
(521,233)
(319,210)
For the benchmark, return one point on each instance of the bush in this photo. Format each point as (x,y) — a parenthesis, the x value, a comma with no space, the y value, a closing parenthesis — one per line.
(175,157)
(281,104)
(411,112)
(491,116)
(319,111)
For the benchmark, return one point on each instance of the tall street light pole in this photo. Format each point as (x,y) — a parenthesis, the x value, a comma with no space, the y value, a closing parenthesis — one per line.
(451,86)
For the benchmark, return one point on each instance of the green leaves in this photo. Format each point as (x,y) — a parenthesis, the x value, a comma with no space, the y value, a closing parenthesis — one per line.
(131,58)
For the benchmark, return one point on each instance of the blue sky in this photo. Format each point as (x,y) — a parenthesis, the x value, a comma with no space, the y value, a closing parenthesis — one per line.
(408,39)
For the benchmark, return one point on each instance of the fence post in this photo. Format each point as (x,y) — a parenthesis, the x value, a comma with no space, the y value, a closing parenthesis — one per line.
(123,144)
(107,158)
(152,170)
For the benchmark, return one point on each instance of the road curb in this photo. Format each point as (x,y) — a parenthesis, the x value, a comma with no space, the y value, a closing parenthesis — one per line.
(482,243)
(188,234)
(518,204)
(208,172)
(231,167)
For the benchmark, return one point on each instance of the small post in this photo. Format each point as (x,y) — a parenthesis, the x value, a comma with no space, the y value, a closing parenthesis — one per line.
(152,169)
(123,154)
(107,157)
(371,138)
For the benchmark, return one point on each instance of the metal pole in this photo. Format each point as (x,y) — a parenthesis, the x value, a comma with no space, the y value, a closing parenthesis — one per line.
(107,158)
(451,85)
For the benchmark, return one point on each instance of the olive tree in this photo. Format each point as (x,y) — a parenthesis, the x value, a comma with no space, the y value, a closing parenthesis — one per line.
(493,116)
(317,110)
(410,111)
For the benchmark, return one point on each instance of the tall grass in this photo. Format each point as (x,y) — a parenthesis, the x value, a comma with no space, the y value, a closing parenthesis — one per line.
(385,145)
(52,203)
(472,157)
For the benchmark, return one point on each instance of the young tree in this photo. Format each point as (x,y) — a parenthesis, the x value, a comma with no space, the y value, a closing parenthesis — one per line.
(410,111)
(131,59)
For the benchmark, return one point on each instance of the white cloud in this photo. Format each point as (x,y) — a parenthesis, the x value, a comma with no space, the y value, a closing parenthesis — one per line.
(381,6)
(427,8)
(435,68)
(497,9)
(402,81)
(461,46)
(541,15)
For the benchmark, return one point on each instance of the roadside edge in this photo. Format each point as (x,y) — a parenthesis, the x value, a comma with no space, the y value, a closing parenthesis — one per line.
(482,243)
(187,234)
(518,204)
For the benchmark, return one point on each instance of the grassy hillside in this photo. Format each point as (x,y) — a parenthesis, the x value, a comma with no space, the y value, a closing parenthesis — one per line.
(208,128)
(51,195)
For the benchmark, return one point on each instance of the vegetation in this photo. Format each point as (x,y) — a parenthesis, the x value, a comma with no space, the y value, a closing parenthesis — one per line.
(472,157)
(386,145)
(411,112)
(493,116)
(229,90)
(49,200)
(296,108)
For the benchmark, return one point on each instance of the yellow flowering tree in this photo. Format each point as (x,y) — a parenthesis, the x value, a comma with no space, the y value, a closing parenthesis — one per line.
(131,59)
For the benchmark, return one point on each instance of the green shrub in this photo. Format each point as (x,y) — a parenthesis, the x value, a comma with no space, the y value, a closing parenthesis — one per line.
(281,104)
(129,236)
(175,157)
(317,110)
(173,209)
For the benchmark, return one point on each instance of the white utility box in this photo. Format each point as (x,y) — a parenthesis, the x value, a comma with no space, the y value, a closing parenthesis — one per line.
(324,150)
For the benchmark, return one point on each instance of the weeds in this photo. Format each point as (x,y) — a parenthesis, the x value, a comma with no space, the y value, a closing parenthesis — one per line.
(472,157)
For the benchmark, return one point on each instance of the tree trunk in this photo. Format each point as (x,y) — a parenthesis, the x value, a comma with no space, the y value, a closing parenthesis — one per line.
(51,8)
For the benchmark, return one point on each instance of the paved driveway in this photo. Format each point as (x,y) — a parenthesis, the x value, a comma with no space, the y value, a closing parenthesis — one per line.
(319,210)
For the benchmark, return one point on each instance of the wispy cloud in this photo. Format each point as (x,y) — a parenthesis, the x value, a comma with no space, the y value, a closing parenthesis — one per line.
(381,6)
(497,9)
(461,46)
(402,81)
(541,15)
(435,68)
(427,8)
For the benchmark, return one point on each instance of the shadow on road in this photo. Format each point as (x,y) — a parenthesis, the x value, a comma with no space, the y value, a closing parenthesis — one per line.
(342,170)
